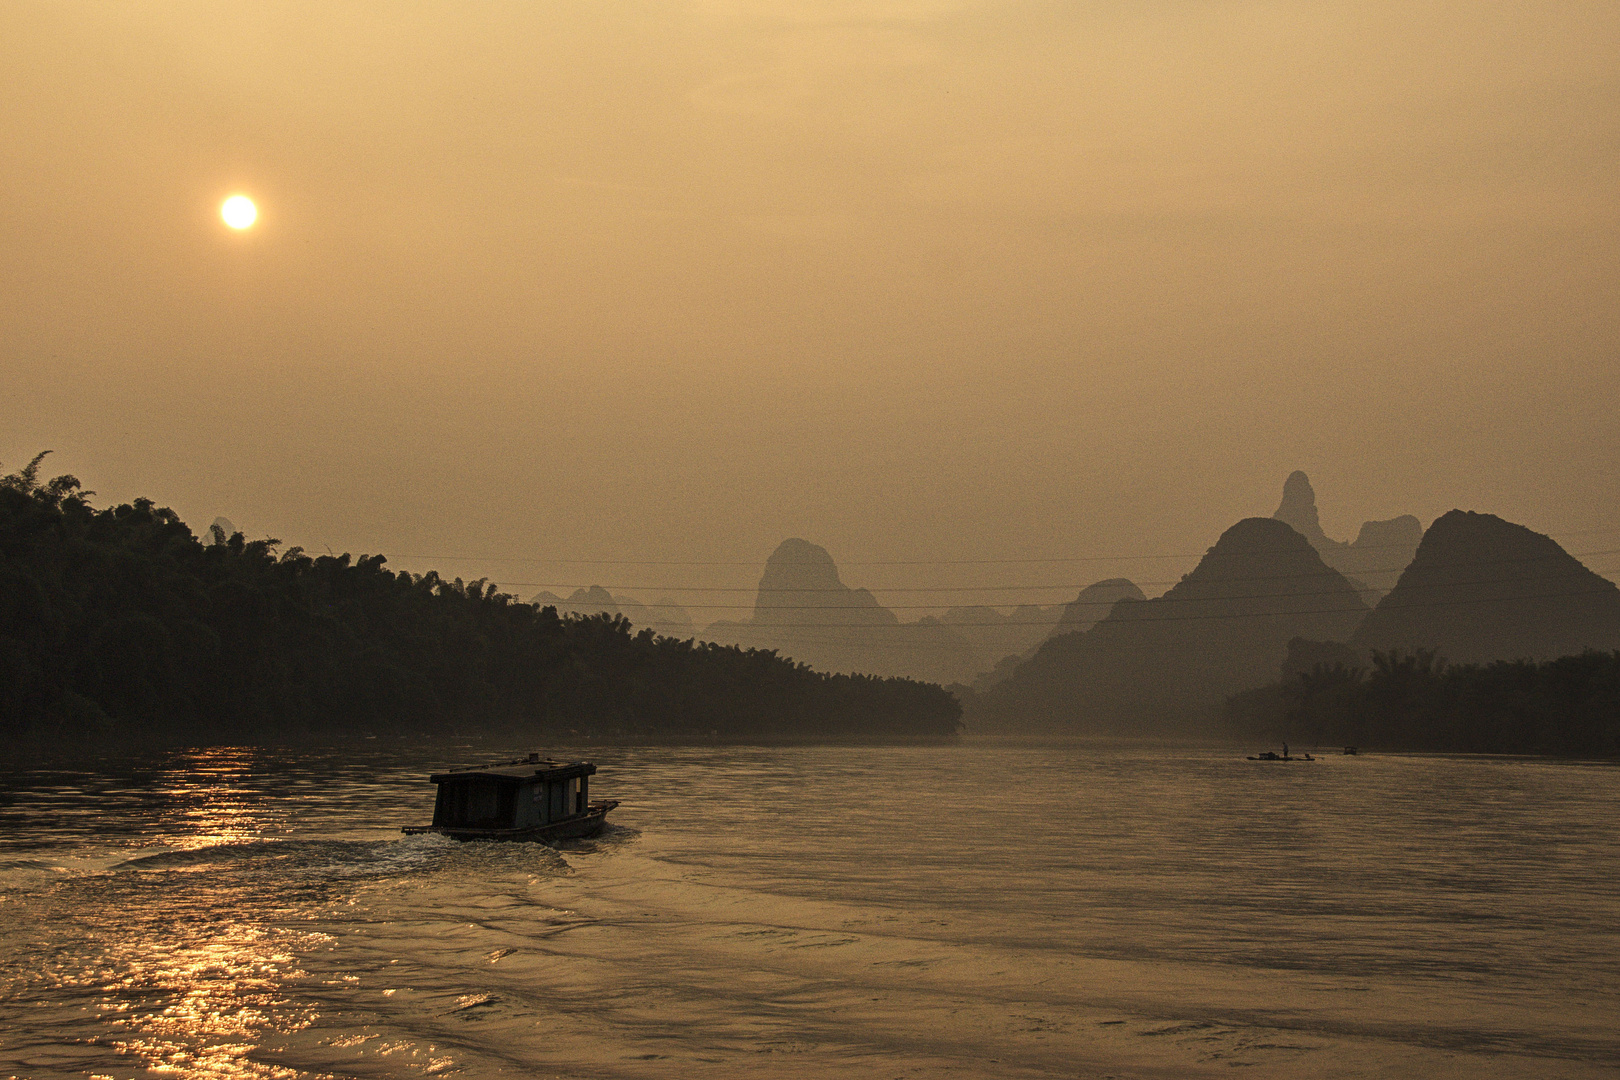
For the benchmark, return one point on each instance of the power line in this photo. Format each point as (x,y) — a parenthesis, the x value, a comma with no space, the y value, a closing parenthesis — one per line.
(840,562)
(1145,605)
(872,644)
(1009,588)
(987,588)
(1096,603)
(889,627)
(898,562)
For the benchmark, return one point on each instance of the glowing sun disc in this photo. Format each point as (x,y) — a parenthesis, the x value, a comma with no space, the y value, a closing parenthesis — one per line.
(239,212)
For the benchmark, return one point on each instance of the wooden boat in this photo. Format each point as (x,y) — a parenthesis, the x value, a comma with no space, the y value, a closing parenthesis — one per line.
(528,799)
(1272,755)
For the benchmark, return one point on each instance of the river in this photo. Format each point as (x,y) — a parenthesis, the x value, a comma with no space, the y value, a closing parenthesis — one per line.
(988,909)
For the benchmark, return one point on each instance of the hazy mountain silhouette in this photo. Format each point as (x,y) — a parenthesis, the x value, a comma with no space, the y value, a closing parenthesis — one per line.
(801,585)
(664,616)
(592,601)
(1377,556)
(1167,664)
(994,633)
(1094,603)
(1077,616)
(221,530)
(1483,589)
(804,610)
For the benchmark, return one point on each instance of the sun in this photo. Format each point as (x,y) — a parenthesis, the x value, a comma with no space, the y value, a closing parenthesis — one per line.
(239,212)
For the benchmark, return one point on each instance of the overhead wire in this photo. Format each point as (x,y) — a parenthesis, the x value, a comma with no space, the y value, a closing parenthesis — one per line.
(1005,588)
(1144,604)
(900,562)
(773,640)
(1097,603)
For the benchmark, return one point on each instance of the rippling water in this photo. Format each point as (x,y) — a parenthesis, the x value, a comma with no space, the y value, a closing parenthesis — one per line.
(988,909)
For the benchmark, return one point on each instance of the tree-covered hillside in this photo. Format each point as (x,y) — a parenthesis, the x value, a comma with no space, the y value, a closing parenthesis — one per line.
(120,622)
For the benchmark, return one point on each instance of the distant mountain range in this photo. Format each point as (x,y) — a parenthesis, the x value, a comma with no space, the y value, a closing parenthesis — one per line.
(995,633)
(804,610)
(1152,666)
(1495,640)
(1267,602)
(1473,588)
(1079,615)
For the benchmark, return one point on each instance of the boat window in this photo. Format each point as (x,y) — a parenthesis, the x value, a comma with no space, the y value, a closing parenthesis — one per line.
(477,803)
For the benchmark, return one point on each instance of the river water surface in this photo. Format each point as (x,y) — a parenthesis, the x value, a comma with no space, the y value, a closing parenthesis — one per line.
(990,909)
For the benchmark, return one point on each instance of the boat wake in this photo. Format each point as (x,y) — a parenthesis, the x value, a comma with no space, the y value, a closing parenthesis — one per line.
(336,859)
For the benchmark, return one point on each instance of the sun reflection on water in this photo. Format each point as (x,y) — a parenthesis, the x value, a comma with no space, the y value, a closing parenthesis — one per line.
(199,992)
(202,1008)
(208,802)
(174,928)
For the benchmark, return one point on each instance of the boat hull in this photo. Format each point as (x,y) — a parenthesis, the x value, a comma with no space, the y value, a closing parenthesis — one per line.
(587,824)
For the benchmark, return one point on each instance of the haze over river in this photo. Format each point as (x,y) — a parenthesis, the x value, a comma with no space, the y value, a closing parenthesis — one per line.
(992,909)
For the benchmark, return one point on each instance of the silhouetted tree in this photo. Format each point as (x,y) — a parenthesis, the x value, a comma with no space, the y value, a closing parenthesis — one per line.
(1416,701)
(119,623)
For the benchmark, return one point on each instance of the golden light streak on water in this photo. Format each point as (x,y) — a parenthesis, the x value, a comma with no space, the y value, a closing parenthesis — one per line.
(219,1000)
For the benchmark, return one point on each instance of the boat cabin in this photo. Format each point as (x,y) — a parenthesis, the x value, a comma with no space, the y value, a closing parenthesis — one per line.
(526,794)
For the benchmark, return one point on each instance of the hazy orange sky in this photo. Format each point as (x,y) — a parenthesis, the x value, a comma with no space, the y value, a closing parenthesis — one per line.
(912,280)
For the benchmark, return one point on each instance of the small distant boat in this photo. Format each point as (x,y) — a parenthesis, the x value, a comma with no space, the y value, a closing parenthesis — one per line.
(1272,755)
(1352,751)
(532,798)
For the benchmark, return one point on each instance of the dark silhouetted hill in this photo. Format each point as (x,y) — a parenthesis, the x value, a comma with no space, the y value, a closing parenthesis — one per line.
(1483,589)
(1077,616)
(1166,665)
(804,610)
(1094,603)
(1377,556)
